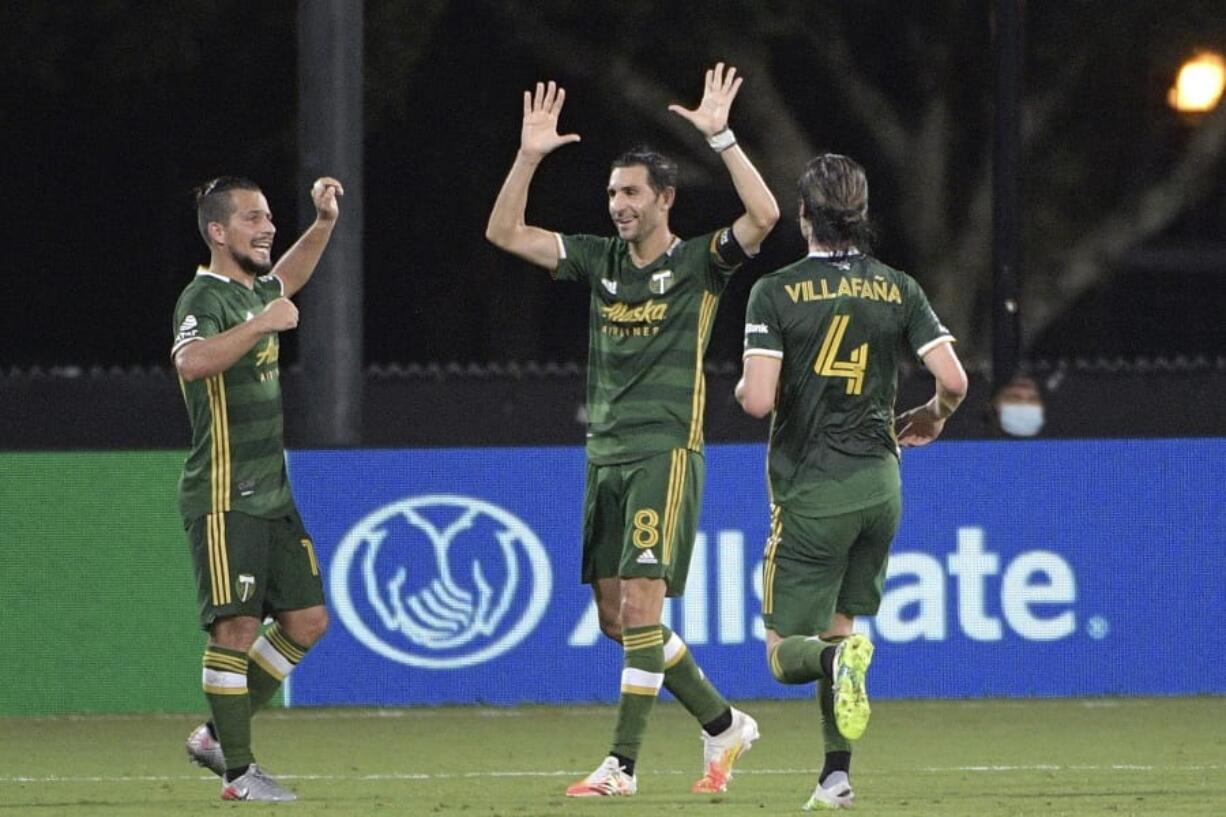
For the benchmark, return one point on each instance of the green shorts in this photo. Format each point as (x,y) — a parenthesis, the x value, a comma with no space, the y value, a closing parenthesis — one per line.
(249,566)
(640,518)
(817,566)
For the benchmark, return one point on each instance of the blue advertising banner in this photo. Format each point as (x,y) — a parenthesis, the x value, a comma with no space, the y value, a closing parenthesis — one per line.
(1020,569)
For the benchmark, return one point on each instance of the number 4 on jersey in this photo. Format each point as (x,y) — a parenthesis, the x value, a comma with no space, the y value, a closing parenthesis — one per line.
(828,364)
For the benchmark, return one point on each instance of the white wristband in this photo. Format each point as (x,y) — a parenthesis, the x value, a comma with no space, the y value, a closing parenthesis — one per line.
(721,141)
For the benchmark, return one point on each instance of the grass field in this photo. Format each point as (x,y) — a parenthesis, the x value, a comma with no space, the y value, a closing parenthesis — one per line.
(1112,757)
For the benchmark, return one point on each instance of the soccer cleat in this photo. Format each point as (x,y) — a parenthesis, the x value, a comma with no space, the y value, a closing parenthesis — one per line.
(851,709)
(719,753)
(204,750)
(833,792)
(609,780)
(255,785)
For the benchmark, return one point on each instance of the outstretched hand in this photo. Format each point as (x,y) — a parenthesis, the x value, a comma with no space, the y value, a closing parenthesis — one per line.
(539,135)
(324,194)
(711,115)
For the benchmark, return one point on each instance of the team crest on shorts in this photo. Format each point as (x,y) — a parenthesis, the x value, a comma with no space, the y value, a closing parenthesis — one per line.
(661,281)
(246,587)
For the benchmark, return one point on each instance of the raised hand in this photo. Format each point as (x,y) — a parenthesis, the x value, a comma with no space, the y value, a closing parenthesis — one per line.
(711,115)
(539,135)
(324,194)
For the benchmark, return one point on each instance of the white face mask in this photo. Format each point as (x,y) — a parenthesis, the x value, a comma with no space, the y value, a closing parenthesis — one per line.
(1021,419)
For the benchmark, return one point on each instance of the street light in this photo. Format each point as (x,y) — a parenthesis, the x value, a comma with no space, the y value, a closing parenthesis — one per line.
(1198,86)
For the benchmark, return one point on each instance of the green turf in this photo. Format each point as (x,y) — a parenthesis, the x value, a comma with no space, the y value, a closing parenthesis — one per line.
(949,759)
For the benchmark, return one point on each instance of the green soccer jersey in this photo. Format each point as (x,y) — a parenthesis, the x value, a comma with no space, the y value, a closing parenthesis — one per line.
(839,326)
(237,459)
(648,332)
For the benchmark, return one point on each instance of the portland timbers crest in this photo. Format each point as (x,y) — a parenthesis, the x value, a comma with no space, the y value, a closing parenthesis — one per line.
(246,587)
(661,281)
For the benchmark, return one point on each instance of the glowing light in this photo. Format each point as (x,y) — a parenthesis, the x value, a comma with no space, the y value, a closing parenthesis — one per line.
(1198,86)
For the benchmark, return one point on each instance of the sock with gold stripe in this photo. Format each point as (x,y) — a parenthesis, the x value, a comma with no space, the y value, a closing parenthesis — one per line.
(687,682)
(800,659)
(225,687)
(272,657)
(642,677)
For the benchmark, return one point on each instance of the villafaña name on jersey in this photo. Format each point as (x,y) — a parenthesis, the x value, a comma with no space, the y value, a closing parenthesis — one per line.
(878,289)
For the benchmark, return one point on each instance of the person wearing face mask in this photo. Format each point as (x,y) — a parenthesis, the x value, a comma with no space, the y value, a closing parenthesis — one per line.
(823,338)
(1019,408)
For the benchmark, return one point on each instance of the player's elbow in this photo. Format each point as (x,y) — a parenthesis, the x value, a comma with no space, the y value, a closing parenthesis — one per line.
(500,235)
(766,216)
(189,365)
(955,384)
(757,405)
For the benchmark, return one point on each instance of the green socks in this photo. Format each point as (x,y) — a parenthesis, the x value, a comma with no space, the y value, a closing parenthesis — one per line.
(225,687)
(642,677)
(273,656)
(686,681)
(798,659)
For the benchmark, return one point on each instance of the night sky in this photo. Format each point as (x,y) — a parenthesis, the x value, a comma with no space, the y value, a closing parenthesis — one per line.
(114,111)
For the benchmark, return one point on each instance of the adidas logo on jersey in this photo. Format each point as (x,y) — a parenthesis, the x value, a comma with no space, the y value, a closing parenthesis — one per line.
(647,558)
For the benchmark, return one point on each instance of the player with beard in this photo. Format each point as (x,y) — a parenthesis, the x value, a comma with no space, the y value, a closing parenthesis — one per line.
(253,558)
(653,302)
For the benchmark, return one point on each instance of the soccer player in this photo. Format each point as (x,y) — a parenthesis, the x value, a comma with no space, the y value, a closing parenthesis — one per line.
(253,557)
(822,338)
(653,300)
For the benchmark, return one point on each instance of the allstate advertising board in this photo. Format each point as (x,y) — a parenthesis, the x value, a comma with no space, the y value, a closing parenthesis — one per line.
(1020,568)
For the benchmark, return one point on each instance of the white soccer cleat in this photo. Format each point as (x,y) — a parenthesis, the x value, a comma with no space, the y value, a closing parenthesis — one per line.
(720,753)
(609,780)
(833,792)
(255,785)
(204,750)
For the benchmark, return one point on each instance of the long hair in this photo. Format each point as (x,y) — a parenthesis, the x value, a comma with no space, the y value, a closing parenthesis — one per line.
(834,200)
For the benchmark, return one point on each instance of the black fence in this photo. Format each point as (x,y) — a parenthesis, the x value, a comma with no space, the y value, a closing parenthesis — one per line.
(542,404)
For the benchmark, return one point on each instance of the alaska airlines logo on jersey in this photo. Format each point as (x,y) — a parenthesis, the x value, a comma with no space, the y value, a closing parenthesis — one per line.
(661,281)
(440,581)
(268,355)
(878,289)
(648,312)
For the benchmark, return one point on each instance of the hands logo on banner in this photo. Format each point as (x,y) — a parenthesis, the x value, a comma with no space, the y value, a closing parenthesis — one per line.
(440,581)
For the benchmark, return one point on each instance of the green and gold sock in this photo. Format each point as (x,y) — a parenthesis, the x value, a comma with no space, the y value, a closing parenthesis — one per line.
(272,657)
(797,659)
(225,687)
(642,677)
(687,682)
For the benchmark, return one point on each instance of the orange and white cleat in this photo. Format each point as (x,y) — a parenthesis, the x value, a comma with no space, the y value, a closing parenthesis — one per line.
(721,752)
(609,780)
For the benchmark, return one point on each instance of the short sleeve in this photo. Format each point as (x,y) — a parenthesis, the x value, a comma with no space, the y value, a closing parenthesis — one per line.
(924,330)
(578,256)
(197,316)
(269,288)
(763,333)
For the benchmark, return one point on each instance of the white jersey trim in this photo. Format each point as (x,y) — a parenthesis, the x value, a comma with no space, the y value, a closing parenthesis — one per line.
(180,344)
(561,247)
(211,274)
(763,353)
(932,344)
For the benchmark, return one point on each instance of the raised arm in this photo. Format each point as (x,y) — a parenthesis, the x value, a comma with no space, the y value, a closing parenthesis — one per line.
(923,424)
(537,138)
(711,120)
(298,264)
(198,358)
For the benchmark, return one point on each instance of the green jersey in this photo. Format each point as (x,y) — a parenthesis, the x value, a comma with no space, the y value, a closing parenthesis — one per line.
(648,331)
(237,459)
(839,326)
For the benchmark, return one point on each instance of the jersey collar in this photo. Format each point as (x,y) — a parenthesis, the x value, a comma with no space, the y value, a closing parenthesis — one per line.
(832,254)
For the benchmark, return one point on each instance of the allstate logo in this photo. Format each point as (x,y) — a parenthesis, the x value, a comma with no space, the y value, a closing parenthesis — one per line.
(440,581)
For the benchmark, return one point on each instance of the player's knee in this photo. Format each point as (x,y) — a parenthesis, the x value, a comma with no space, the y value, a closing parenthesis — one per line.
(611,625)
